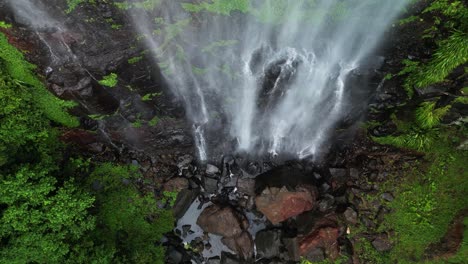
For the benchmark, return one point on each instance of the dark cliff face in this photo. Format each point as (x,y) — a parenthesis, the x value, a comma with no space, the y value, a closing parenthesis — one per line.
(83,47)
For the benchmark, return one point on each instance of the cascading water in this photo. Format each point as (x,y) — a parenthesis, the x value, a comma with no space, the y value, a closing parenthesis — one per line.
(270,77)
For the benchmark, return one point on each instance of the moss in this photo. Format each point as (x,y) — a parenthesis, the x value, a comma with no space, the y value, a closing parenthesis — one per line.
(154,121)
(368,254)
(109,80)
(73,4)
(428,198)
(224,7)
(18,68)
(3,24)
(134,60)
(142,4)
(149,96)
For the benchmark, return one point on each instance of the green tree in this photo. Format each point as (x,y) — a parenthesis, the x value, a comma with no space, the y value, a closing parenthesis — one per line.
(42,213)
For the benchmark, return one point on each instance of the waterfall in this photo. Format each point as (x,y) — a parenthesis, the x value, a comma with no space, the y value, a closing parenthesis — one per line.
(274,74)
(258,76)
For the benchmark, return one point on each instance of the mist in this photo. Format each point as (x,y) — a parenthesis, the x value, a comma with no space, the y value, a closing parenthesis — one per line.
(270,80)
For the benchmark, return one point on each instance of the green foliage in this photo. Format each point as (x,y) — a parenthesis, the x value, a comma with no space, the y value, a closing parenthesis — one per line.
(408,20)
(143,4)
(427,116)
(341,260)
(448,16)
(135,59)
(3,24)
(224,7)
(109,80)
(98,116)
(154,121)
(451,53)
(116,26)
(368,254)
(72,4)
(149,96)
(455,11)
(421,132)
(428,200)
(414,139)
(461,99)
(44,215)
(18,68)
(134,219)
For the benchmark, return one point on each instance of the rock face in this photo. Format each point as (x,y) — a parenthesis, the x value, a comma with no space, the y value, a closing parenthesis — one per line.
(280,204)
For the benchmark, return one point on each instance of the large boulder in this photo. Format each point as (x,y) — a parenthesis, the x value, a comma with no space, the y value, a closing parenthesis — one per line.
(223,221)
(324,238)
(279,204)
(242,244)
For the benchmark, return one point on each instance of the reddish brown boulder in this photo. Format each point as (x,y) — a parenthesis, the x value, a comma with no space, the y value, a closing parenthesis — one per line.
(242,244)
(325,238)
(280,204)
(223,221)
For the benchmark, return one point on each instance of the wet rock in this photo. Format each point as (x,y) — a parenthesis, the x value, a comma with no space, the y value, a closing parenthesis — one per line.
(346,247)
(210,184)
(326,203)
(351,216)
(223,221)
(325,237)
(280,204)
(325,188)
(431,91)
(228,258)
(368,222)
(338,172)
(184,199)
(246,186)
(354,173)
(268,243)
(176,184)
(292,248)
(215,260)
(185,230)
(387,197)
(197,244)
(184,161)
(317,176)
(384,130)
(174,256)
(242,244)
(211,169)
(285,176)
(382,244)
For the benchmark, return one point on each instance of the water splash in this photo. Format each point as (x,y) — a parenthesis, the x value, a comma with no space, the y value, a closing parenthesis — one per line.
(275,75)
